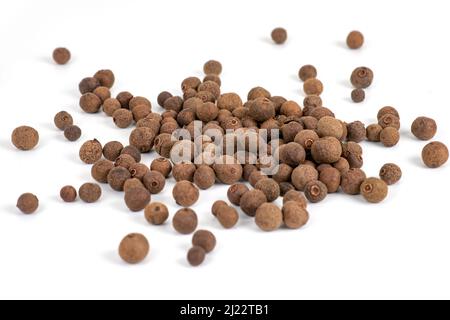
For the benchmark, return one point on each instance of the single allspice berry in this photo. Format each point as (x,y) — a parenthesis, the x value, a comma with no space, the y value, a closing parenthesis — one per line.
(330,127)
(103,93)
(296,196)
(134,248)
(355,40)
(251,201)
(302,175)
(62,120)
(270,188)
(91,151)
(185,193)
(28,203)
(133,152)
(68,194)
(185,221)
(25,138)
(235,193)
(315,191)
(389,120)
(227,216)
(162,165)
(295,215)
(101,169)
(105,77)
(268,217)
(279,35)
(204,177)
(362,77)
(389,136)
(110,106)
(72,133)
(373,132)
(374,190)
(88,85)
(117,177)
(123,118)
(227,170)
(212,67)
(216,205)
(137,199)
(132,183)
(90,103)
(307,72)
(204,239)
(156,213)
(313,86)
(387,110)
(358,95)
(196,256)
(154,181)
(424,128)
(356,131)
(61,55)
(326,150)
(390,173)
(90,192)
(351,181)
(331,177)
(138,170)
(435,154)
(112,150)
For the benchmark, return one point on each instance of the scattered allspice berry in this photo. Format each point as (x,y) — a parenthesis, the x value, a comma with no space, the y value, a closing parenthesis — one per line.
(134,248)
(72,133)
(212,67)
(91,151)
(355,40)
(296,196)
(117,177)
(389,120)
(204,239)
(61,55)
(330,127)
(112,150)
(307,72)
(204,177)
(68,194)
(154,181)
(389,136)
(156,213)
(28,203)
(270,188)
(90,103)
(62,120)
(424,128)
(251,201)
(326,150)
(279,35)
(268,217)
(137,199)
(351,181)
(101,169)
(110,106)
(88,85)
(362,77)
(387,110)
(315,191)
(390,173)
(373,132)
(105,77)
(25,138)
(356,131)
(295,215)
(227,170)
(123,118)
(217,205)
(235,193)
(132,183)
(228,216)
(196,255)
(302,175)
(185,221)
(358,95)
(90,192)
(435,154)
(185,193)
(331,177)
(162,165)
(374,190)
(313,86)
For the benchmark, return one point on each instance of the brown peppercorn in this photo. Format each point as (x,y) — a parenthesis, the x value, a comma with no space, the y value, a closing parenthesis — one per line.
(137,199)
(229,101)
(204,239)
(105,77)
(88,85)
(190,83)
(138,170)
(103,93)
(356,131)
(262,109)
(315,191)
(124,98)
(306,138)
(185,193)
(117,177)
(307,72)
(162,97)
(331,177)
(25,138)
(142,138)
(28,203)
(390,173)
(389,136)
(207,112)
(204,177)
(358,95)
(342,165)
(235,193)
(295,215)
(61,55)
(387,110)
(184,171)
(162,165)
(435,154)
(134,248)
(68,194)
(326,150)
(185,221)
(132,183)
(268,217)
(373,132)
(112,150)
(302,175)
(216,205)
(90,192)
(313,86)
(351,181)
(72,133)
(123,118)
(270,188)
(156,213)
(154,181)
(227,170)
(424,128)
(362,77)
(330,127)
(279,35)
(91,151)
(212,67)
(355,40)
(295,196)
(90,103)
(196,255)
(62,120)
(251,201)
(389,120)
(291,154)
(100,170)
(374,190)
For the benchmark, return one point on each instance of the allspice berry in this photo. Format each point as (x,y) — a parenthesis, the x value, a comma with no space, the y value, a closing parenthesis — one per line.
(138,170)
(261,109)
(355,40)
(103,93)
(134,248)
(358,95)
(117,177)
(204,239)
(112,150)
(72,133)
(91,151)
(90,192)
(356,131)
(292,154)
(424,128)
(212,67)
(184,171)
(326,150)
(373,132)
(302,175)
(307,72)
(279,35)
(122,118)
(207,112)
(68,194)
(351,181)
(270,188)
(132,183)
(124,98)
(185,221)
(204,177)
(185,193)
(101,169)
(217,205)
(227,170)
(268,217)
(105,77)
(387,110)
(28,203)
(154,181)
(313,86)
(88,85)
(25,138)
(306,138)
(90,103)
(315,191)
(296,196)
(62,120)
(235,193)
(162,97)
(196,255)
(142,138)
(228,216)
(389,137)
(330,127)
(390,173)
(137,199)
(374,190)
(162,165)
(110,106)
(389,120)
(362,77)
(133,152)
(61,55)
(331,177)
(435,154)
(252,200)
(156,213)
(295,215)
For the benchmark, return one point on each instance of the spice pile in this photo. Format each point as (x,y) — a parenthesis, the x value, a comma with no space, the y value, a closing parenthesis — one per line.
(317,153)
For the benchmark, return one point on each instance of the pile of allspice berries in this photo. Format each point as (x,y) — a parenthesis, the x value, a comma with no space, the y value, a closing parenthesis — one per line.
(317,153)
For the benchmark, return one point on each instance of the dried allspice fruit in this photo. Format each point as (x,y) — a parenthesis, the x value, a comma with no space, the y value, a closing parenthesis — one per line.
(268,217)
(351,181)
(91,151)
(196,256)
(90,192)
(28,203)
(185,221)
(154,181)
(302,175)
(62,120)
(435,154)
(227,216)
(279,35)
(117,177)
(235,193)
(389,136)
(137,199)
(156,213)
(134,248)
(424,128)
(204,177)
(358,95)
(313,86)
(331,177)
(25,138)
(204,239)
(68,194)
(295,215)
(185,193)
(374,190)
(101,169)
(390,173)
(315,191)
(295,196)
(373,132)
(356,131)
(251,201)
(162,165)
(355,40)
(362,77)
(72,133)
(270,188)
(307,72)
(326,150)
(61,55)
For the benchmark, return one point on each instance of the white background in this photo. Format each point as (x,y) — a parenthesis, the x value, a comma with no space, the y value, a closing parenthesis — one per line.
(350,249)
